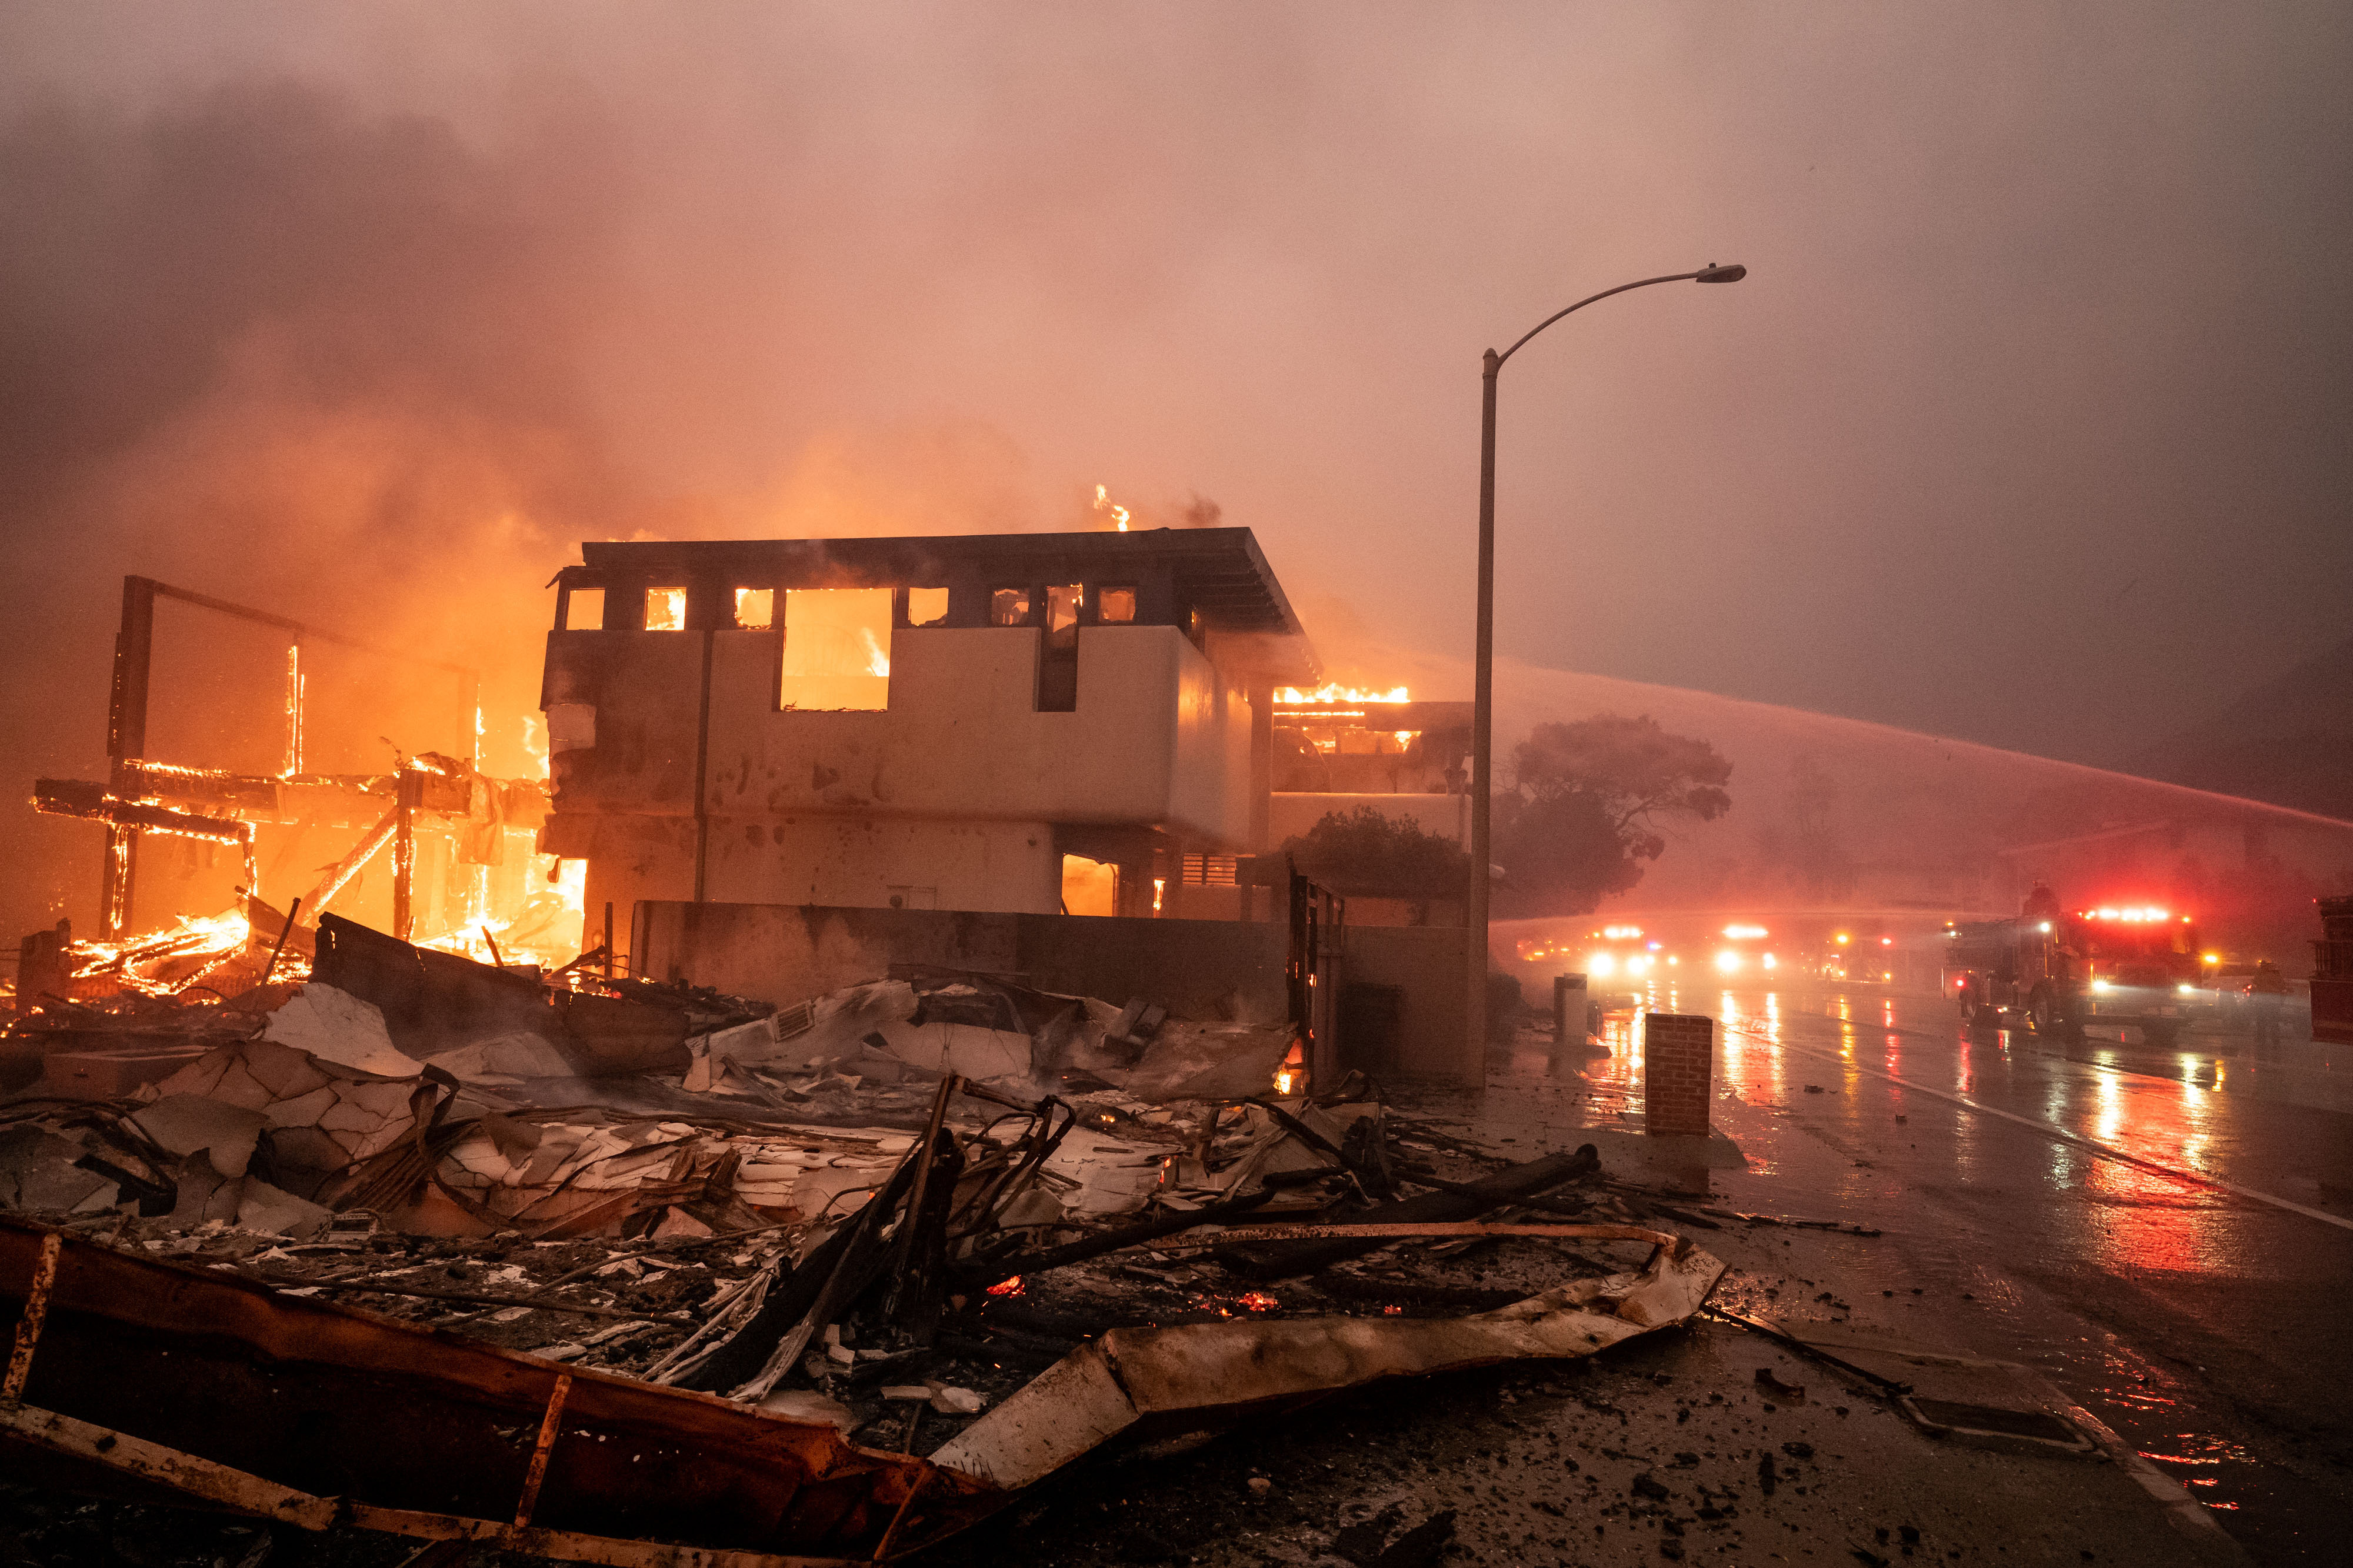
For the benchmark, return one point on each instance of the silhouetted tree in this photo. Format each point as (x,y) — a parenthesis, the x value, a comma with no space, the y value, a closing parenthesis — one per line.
(1365,853)
(1593,801)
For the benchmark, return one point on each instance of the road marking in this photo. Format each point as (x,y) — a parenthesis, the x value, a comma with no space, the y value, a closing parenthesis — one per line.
(2055,1131)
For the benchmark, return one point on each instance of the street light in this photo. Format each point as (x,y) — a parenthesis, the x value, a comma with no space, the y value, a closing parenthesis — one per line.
(1483,711)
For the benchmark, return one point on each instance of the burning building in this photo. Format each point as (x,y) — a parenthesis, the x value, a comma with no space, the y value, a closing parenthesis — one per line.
(1080,723)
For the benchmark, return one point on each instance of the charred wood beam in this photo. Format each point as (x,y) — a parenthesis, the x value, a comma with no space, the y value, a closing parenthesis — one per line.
(317,797)
(337,879)
(125,821)
(1038,1262)
(1283,1260)
(404,853)
(126,737)
(96,803)
(301,631)
(245,794)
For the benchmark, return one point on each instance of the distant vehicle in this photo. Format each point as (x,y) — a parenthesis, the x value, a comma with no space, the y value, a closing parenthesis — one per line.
(1615,957)
(2229,990)
(1746,949)
(1852,955)
(1618,953)
(2055,972)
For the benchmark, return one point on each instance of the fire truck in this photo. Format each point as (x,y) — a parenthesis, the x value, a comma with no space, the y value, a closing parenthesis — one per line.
(2054,972)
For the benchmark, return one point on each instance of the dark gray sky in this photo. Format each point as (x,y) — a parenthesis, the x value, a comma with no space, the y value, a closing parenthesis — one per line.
(2029,427)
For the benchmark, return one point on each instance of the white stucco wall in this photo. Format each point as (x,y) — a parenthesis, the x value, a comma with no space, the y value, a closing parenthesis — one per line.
(950,796)
(1157,738)
(863,862)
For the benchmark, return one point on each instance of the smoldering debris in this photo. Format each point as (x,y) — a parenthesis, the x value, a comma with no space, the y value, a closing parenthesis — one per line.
(941,1232)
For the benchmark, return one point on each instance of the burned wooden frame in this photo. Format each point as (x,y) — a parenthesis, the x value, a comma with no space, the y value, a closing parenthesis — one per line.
(142,795)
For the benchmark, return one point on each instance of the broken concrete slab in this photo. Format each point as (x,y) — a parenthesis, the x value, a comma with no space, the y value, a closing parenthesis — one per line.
(505,1060)
(273,1210)
(335,1027)
(191,1124)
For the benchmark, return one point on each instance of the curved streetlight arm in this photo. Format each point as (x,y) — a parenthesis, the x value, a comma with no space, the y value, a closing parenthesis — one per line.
(1548,321)
(1473,1066)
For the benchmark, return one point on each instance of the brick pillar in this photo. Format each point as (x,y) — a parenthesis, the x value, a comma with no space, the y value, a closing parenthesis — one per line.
(1677,1049)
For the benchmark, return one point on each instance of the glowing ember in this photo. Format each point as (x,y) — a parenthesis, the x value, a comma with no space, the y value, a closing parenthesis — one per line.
(1292,1073)
(1257,1302)
(170,963)
(294,684)
(1006,1287)
(1103,503)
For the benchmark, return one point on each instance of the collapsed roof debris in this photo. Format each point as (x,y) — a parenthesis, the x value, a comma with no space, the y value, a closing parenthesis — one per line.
(622,1263)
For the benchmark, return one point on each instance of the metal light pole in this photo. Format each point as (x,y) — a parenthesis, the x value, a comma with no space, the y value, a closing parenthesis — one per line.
(1482,711)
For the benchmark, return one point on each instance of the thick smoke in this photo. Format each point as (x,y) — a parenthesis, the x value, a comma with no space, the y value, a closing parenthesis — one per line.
(263,346)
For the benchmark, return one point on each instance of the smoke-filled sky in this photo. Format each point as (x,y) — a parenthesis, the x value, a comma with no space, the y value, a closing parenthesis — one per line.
(2028,427)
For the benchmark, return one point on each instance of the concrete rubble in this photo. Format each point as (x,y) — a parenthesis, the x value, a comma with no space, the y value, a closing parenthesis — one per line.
(958,1234)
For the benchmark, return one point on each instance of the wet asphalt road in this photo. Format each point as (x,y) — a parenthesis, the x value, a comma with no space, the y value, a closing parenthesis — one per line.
(2207,1326)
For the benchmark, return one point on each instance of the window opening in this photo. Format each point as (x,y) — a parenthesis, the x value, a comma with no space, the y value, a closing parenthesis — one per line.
(927,606)
(837,648)
(1115,607)
(1089,887)
(1058,660)
(756,610)
(584,610)
(1210,870)
(1062,606)
(1009,607)
(665,609)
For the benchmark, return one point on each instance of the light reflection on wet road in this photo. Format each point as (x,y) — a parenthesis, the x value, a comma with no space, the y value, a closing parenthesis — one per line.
(2204,1326)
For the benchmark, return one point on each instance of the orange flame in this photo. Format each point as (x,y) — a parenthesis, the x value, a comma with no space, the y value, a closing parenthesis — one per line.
(1103,503)
(1291,696)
